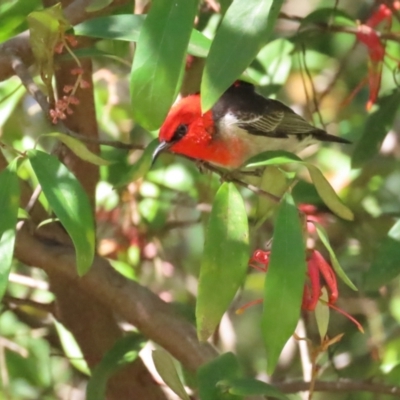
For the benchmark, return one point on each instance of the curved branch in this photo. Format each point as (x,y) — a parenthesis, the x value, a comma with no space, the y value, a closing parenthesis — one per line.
(153,317)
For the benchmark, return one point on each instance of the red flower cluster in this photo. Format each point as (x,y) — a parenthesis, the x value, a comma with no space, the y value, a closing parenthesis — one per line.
(320,274)
(367,35)
(317,268)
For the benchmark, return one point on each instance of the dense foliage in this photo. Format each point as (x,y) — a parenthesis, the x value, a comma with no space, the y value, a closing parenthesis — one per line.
(111,266)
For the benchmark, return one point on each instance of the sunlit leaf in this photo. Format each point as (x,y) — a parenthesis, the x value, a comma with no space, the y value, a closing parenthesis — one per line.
(284,282)
(166,368)
(273,181)
(159,59)
(69,202)
(225,259)
(323,187)
(225,366)
(96,5)
(276,59)
(251,387)
(71,348)
(322,313)
(9,203)
(244,29)
(335,263)
(79,148)
(46,28)
(124,351)
(127,27)
(327,194)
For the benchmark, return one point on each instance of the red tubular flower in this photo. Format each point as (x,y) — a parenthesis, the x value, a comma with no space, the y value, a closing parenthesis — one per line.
(320,274)
(367,35)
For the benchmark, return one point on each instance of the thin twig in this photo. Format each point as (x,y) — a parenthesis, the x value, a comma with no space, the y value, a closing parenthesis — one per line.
(229,178)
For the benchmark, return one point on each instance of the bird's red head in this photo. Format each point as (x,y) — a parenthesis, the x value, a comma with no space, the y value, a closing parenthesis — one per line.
(188,132)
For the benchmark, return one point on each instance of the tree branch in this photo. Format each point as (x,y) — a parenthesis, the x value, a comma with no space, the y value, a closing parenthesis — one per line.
(339,386)
(133,302)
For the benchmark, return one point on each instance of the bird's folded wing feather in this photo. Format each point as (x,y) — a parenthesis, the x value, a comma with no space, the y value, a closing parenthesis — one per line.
(263,125)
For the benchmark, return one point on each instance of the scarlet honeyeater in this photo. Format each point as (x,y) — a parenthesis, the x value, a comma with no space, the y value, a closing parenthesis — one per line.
(239,126)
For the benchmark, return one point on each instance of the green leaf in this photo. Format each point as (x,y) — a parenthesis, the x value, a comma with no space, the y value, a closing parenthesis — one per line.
(377,125)
(140,167)
(276,59)
(335,263)
(327,194)
(46,28)
(225,366)
(275,157)
(159,59)
(127,27)
(166,368)
(71,348)
(284,282)
(251,387)
(96,5)
(385,266)
(322,314)
(273,181)
(69,202)
(225,259)
(245,28)
(125,351)
(323,187)
(118,27)
(78,148)
(9,203)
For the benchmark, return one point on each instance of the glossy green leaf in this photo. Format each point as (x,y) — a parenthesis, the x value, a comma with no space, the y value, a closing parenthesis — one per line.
(251,387)
(385,266)
(276,59)
(125,351)
(71,348)
(323,187)
(327,193)
(225,366)
(9,203)
(46,27)
(273,181)
(166,368)
(245,28)
(284,282)
(78,148)
(127,27)
(159,59)
(377,125)
(96,5)
(276,157)
(335,263)
(140,167)
(69,202)
(322,313)
(225,259)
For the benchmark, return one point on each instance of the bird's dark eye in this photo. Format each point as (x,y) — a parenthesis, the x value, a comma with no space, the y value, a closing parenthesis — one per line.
(180,132)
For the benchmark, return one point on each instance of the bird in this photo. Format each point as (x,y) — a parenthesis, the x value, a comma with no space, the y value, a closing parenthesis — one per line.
(240,125)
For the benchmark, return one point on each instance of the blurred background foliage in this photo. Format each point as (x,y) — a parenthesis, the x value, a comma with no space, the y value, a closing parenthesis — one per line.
(152,230)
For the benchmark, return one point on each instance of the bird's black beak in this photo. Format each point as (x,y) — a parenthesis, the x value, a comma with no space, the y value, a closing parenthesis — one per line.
(160,148)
